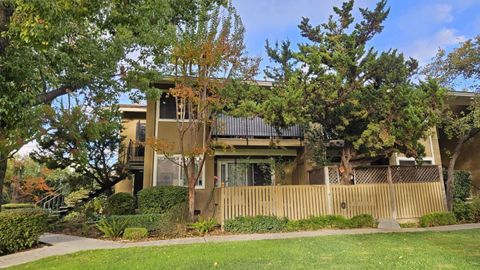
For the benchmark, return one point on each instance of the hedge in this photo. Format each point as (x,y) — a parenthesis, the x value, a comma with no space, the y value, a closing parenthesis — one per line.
(135,233)
(260,224)
(21,228)
(158,200)
(462,185)
(155,223)
(121,204)
(437,219)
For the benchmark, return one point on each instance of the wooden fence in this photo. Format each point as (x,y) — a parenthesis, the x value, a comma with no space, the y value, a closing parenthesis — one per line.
(382,199)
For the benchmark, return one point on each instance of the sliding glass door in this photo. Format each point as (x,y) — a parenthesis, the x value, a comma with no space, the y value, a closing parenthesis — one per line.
(246,172)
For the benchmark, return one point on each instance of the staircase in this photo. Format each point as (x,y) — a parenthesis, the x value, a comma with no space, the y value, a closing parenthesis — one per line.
(54,204)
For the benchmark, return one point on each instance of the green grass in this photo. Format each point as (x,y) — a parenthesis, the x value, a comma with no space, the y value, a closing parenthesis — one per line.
(425,250)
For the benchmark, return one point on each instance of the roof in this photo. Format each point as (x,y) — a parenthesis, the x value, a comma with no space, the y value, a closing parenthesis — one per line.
(132,108)
(460,98)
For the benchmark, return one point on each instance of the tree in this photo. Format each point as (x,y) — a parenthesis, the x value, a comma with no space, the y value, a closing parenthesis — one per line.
(339,88)
(51,48)
(207,64)
(86,140)
(459,66)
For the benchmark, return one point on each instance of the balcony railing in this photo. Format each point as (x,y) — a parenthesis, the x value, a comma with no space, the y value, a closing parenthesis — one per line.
(135,152)
(255,127)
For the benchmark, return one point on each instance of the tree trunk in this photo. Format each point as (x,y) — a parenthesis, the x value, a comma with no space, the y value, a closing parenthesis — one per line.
(191,190)
(450,173)
(3,171)
(346,168)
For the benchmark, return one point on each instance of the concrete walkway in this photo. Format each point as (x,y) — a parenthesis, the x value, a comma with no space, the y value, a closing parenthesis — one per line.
(65,244)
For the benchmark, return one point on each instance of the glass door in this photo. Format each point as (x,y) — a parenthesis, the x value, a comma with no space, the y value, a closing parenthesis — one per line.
(246,172)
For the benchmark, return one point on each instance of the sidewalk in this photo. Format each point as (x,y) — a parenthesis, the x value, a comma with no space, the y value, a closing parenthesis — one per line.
(65,244)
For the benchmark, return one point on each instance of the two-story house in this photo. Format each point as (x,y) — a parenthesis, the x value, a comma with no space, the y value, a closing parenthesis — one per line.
(253,159)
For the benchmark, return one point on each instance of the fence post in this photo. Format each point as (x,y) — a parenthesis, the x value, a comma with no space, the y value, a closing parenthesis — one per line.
(393,195)
(329,193)
(222,206)
(442,185)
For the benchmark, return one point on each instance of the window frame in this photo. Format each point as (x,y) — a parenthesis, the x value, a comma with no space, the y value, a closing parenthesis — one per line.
(397,162)
(225,162)
(180,170)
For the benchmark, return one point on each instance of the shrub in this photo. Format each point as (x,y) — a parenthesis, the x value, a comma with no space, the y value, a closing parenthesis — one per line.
(4,198)
(331,221)
(121,204)
(475,208)
(437,219)
(363,221)
(204,226)
(10,206)
(462,211)
(408,225)
(135,233)
(462,185)
(161,224)
(158,200)
(21,228)
(112,227)
(255,224)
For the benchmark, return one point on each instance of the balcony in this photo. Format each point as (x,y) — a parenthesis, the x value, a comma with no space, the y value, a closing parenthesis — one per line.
(254,132)
(135,154)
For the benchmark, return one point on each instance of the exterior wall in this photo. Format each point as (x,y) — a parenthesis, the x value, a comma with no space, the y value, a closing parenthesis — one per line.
(149,152)
(468,160)
(129,133)
(432,149)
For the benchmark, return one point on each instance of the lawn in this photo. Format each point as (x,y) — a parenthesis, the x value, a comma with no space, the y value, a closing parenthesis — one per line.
(430,250)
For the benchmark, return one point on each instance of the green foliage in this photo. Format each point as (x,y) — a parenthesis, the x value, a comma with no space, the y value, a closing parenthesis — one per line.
(204,226)
(21,228)
(337,83)
(10,206)
(463,185)
(158,200)
(257,224)
(475,207)
(121,204)
(149,221)
(363,221)
(462,211)
(112,227)
(158,224)
(135,233)
(274,224)
(437,219)
(408,225)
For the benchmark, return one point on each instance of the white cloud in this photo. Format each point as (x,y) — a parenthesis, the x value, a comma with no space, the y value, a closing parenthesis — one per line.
(28,148)
(425,49)
(442,13)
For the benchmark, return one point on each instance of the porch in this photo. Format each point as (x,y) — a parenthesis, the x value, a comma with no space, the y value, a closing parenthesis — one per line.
(399,192)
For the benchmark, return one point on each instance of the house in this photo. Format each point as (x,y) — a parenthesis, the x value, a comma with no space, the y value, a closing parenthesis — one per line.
(254,161)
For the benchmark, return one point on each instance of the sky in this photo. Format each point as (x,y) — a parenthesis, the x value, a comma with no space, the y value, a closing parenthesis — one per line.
(418,28)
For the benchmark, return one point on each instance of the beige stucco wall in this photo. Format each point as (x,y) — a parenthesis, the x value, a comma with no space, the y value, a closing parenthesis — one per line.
(432,148)
(129,133)
(468,160)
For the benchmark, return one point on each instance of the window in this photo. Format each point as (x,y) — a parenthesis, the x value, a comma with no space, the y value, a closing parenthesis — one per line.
(168,107)
(403,161)
(170,173)
(246,172)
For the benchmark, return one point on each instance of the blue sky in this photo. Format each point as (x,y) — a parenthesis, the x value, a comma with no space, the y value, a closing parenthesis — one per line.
(416,28)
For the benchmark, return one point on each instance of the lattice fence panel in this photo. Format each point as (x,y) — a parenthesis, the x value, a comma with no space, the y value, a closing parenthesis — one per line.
(370,175)
(333,175)
(415,174)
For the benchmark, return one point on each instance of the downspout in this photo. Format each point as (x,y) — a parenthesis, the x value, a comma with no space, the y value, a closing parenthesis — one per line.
(154,171)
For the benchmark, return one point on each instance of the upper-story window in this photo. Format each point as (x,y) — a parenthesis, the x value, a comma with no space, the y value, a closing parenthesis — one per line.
(168,107)
(141,132)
